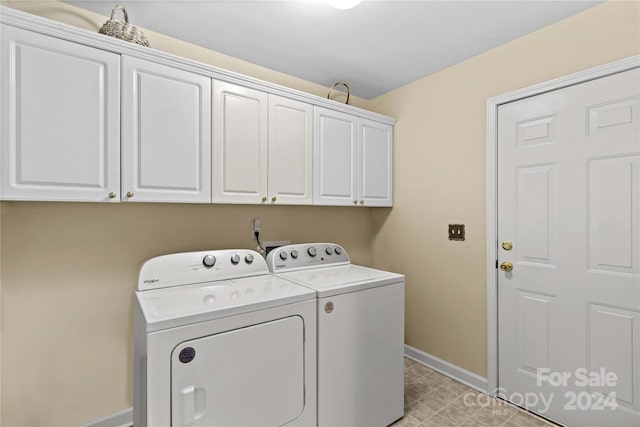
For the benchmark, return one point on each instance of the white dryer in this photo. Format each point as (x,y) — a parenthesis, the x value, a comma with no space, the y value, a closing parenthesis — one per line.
(360,333)
(219,341)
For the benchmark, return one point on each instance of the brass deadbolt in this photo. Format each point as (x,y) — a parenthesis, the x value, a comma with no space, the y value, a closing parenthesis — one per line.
(507,245)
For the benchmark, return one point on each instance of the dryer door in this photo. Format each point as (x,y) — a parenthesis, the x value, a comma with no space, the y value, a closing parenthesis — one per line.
(253,376)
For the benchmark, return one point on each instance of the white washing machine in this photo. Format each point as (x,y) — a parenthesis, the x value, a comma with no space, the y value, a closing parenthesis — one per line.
(219,341)
(360,333)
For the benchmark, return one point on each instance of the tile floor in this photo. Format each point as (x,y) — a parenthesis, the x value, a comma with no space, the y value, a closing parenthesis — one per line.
(434,400)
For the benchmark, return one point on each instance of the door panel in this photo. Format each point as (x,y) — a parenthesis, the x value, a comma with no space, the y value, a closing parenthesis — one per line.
(239,144)
(534,322)
(290,151)
(536,214)
(166,133)
(569,200)
(252,376)
(609,346)
(61,119)
(375,153)
(612,215)
(335,151)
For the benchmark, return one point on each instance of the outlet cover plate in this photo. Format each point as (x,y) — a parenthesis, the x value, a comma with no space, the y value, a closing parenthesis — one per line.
(456,232)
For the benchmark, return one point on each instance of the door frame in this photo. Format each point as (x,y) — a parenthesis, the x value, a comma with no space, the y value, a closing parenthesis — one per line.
(492,188)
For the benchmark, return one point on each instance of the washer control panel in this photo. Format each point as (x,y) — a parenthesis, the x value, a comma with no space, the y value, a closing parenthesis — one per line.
(188,268)
(306,255)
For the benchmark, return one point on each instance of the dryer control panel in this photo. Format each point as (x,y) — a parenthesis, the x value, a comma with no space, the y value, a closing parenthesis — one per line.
(306,255)
(198,267)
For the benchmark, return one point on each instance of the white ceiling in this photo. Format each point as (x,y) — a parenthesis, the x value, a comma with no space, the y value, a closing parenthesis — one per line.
(375,47)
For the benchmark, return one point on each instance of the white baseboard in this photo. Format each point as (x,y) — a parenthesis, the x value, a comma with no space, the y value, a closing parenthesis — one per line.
(449,369)
(120,419)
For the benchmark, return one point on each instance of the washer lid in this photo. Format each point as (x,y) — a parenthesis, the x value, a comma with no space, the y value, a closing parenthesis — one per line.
(183,305)
(327,281)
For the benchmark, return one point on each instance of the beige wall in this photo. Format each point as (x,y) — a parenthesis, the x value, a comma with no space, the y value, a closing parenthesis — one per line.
(440,172)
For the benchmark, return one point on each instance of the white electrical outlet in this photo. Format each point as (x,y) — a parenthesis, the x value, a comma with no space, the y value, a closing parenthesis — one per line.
(256,226)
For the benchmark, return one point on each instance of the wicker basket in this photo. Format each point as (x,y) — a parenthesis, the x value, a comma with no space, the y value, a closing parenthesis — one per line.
(123,30)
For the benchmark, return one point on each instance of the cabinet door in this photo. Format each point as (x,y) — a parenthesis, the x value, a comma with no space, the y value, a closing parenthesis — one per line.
(166,130)
(239,144)
(334,158)
(60,112)
(290,151)
(375,166)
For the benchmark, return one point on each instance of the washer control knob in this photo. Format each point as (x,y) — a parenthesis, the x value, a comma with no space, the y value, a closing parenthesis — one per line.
(283,255)
(329,250)
(248,258)
(312,251)
(235,258)
(294,254)
(209,261)
(338,251)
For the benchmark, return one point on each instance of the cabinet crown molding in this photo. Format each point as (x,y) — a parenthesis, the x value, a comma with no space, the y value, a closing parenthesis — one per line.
(16,18)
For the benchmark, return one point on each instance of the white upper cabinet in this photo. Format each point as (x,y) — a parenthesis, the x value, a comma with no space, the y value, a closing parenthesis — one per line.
(353,160)
(290,151)
(184,131)
(239,144)
(334,160)
(60,113)
(166,133)
(375,163)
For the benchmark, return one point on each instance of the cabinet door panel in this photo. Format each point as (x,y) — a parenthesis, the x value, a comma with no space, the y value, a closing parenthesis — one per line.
(239,144)
(375,152)
(166,133)
(61,119)
(290,151)
(334,158)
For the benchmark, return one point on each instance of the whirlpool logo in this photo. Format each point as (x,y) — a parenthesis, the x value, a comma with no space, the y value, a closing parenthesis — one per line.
(151,281)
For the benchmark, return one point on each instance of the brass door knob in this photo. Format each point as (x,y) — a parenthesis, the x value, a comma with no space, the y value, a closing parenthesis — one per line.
(112,195)
(355,202)
(506,266)
(264,199)
(362,202)
(129,194)
(507,245)
(273,200)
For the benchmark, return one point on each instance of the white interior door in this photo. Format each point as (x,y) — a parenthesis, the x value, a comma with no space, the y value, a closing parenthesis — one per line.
(569,201)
